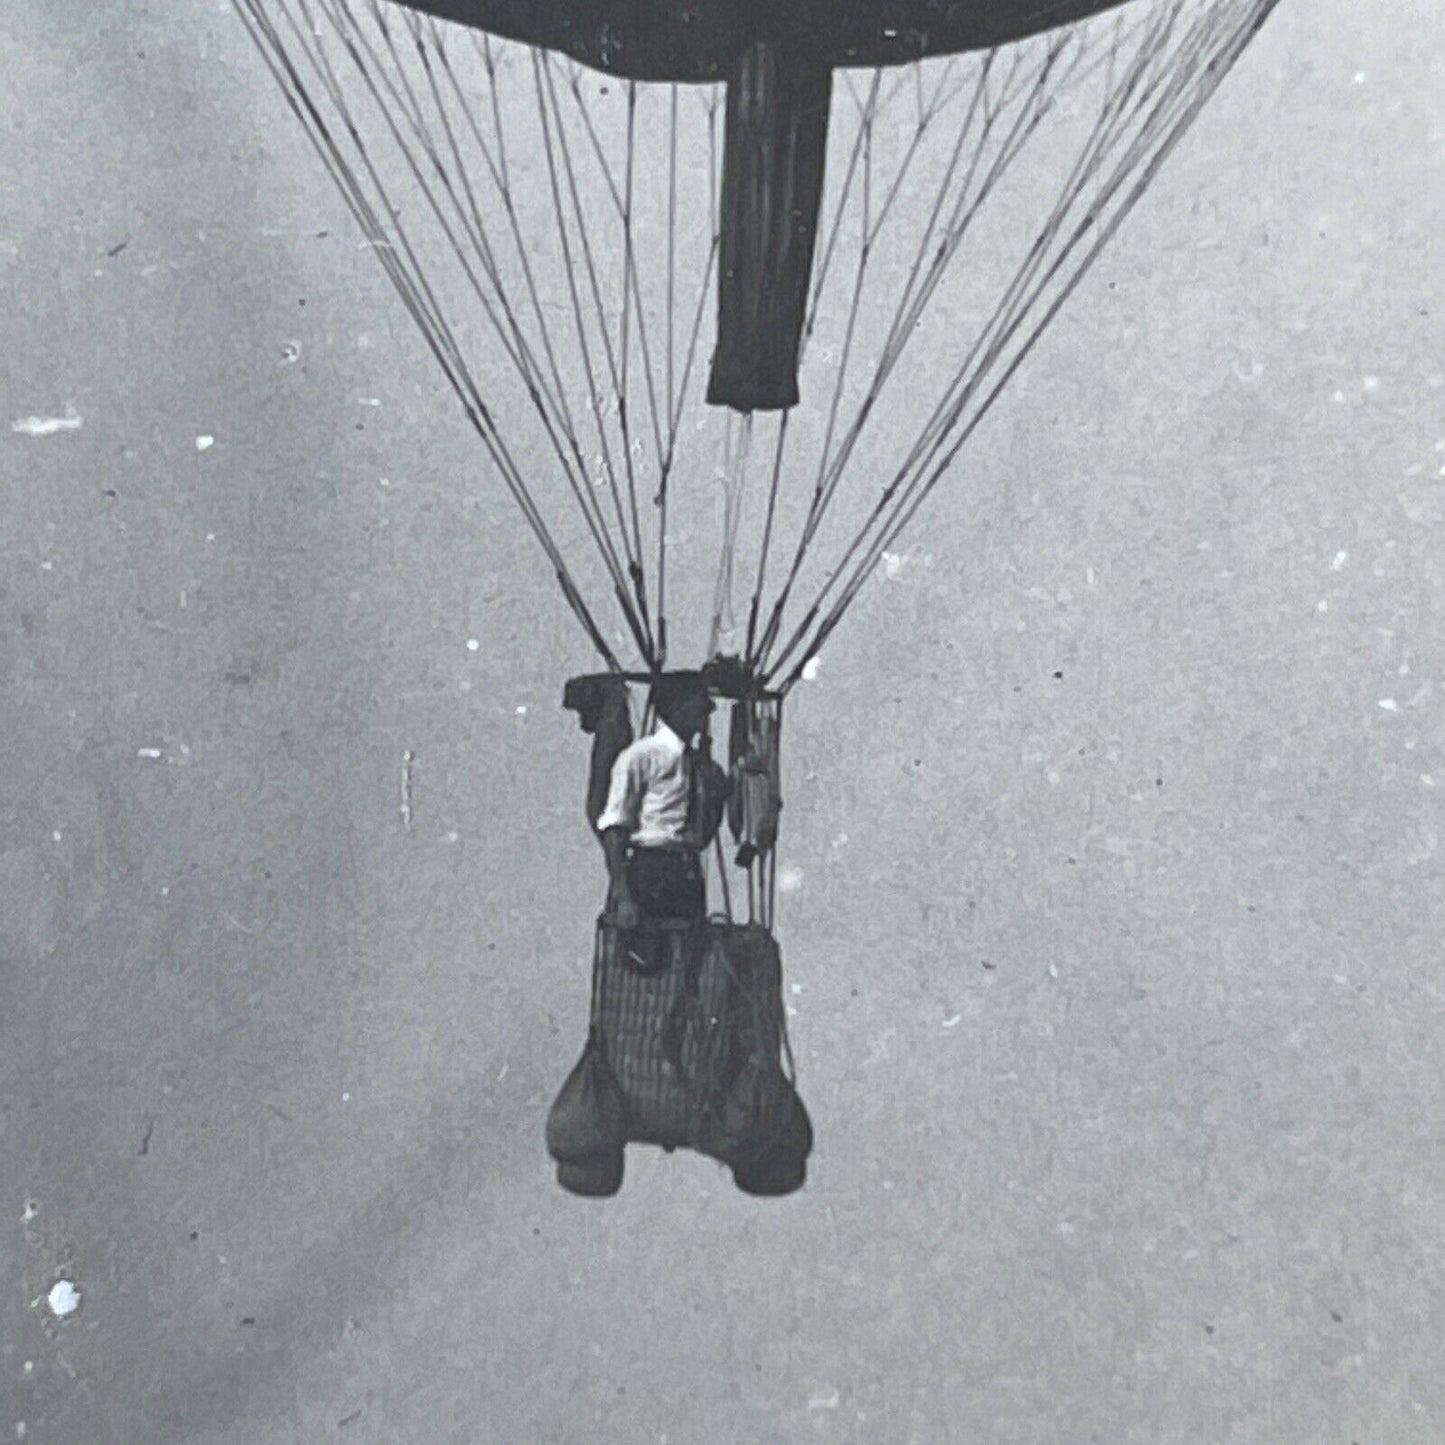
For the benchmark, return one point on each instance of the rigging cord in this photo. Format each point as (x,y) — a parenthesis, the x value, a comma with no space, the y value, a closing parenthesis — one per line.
(365,77)
(830,474)
(1161,93)
(549,116)
(398,258)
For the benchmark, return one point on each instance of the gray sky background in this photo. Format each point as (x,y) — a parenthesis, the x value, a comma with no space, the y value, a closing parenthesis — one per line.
(1118,1007)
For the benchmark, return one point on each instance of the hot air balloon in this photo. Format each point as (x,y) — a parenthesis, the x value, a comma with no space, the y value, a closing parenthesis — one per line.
(573,198)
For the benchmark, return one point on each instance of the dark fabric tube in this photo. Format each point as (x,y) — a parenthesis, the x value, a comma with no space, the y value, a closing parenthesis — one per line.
(772,186)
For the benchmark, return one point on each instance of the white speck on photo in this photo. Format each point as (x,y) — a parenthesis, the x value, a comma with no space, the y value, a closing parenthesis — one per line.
(64,1298)
(46,426)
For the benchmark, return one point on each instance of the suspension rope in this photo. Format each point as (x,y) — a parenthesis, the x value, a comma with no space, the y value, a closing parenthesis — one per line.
(633,304)
(549,114)
(934,143)
(616,368)
(393,249)
(556,423)
(981,114)
(1170,102)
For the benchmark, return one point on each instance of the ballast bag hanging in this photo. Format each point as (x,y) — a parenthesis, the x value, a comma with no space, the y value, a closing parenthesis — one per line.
(685,1050)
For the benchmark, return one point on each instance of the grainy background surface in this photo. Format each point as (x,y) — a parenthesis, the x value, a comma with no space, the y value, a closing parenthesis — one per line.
(1121,1012)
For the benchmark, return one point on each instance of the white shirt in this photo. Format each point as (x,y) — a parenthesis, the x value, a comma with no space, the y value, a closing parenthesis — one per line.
(648,796)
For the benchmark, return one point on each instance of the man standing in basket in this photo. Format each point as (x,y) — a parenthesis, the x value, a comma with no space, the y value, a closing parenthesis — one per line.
(663,808)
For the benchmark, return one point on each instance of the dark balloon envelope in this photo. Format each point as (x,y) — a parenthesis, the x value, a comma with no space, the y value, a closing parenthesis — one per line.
(702,40)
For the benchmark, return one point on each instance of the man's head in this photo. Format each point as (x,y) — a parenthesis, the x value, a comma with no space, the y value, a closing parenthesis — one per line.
(683,702)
